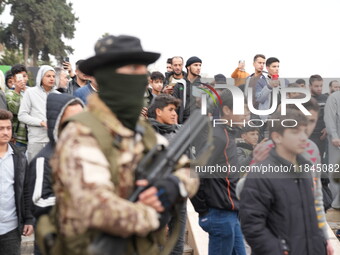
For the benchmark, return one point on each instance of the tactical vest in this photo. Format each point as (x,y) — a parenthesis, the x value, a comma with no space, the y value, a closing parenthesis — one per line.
(52,243)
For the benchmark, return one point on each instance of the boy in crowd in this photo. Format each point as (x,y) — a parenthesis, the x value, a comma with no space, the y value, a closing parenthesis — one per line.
(278,214)
(245,146)
(13,98)
(20,74)
(156,82)
(162,115)
(9,80)
(163,118)
(312,154)
(216,201)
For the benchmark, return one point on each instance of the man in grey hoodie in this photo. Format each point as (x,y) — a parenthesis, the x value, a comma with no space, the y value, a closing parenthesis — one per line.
(332,121)
(32,110)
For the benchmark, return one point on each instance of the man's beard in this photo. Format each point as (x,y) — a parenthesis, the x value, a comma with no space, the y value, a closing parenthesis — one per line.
(193,74)
(178,73)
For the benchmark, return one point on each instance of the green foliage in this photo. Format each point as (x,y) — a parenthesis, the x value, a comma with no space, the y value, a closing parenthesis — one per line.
(31,81)
(45,62)
(2,5)
(7,38)
(106,34)
(12,57)
(39,27)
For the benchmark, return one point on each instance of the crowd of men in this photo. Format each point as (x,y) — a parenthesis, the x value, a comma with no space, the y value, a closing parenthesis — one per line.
(71,172)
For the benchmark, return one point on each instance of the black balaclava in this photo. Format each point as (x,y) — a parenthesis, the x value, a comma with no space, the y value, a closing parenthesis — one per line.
(122,93)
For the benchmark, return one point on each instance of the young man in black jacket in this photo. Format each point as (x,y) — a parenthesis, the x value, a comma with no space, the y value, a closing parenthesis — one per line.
(15,216)
(183,90)
(162,115)
(163,118)
(277,207)
(216,201)
(58,108)
(245,145)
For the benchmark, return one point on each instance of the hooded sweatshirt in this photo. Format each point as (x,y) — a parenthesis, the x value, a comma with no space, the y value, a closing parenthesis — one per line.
(39,169)
(33,108)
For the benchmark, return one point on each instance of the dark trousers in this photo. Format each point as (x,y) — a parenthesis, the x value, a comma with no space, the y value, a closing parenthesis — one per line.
(36,247)
(179,247)
(10,243)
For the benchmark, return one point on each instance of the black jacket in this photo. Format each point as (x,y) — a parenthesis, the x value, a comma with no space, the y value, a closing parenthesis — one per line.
(280,210)
(219,192)
(169,77)
(190,102)
(244,153)
(21,188)
(168,131)
(320,124)
(3,104)
(73,85)
(40,170)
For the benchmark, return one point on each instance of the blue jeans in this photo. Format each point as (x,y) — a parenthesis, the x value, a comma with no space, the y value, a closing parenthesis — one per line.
(19,144)
(225,236)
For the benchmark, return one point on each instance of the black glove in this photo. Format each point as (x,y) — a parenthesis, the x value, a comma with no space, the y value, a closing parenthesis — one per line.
(168,191)
(164,219)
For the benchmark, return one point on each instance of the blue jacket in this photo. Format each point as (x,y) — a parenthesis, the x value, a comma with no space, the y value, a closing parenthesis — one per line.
(264,95)
(84,92)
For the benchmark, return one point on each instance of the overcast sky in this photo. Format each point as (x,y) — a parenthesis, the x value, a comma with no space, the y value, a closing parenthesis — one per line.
(303,34)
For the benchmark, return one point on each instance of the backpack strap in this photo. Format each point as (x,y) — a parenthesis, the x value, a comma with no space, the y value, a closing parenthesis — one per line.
(106,140)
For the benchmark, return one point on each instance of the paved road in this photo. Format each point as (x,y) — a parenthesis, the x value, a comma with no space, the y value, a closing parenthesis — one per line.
(333,218)
(27,245)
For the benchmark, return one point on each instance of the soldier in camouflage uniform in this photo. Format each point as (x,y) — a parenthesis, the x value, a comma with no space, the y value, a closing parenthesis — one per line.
(89,197)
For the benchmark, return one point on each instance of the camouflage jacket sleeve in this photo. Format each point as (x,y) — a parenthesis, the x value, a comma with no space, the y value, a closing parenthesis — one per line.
(86,195)
(188,178)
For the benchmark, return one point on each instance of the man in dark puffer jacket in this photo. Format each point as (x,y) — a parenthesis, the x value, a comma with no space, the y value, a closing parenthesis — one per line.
(277,208)
(59,107)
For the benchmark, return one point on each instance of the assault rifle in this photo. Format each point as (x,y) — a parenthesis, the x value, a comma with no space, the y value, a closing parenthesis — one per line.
(159,163)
